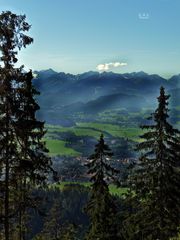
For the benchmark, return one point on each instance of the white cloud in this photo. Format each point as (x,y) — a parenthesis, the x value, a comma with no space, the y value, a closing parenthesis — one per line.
(108,66)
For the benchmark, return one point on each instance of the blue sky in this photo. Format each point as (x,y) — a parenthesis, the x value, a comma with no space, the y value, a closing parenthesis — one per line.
(78,35)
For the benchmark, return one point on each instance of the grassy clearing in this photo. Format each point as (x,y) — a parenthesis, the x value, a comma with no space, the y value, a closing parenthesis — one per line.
(57,147)
(113,189)
(115,130)
(117,191)
(94,130)
(85,132)
(78,131)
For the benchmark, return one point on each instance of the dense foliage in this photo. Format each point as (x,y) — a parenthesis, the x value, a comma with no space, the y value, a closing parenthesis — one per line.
(23,162)
(101,207)
(156,182)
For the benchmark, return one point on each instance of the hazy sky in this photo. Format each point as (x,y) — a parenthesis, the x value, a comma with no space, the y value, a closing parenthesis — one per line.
(119,35)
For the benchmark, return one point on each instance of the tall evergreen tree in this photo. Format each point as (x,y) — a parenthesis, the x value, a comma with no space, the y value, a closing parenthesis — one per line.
(157,179)
(101,207)
(34,165)
(22,152)
(53,226)
(12,38)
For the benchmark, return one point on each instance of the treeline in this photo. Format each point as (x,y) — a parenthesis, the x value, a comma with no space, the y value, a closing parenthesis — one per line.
(28,210)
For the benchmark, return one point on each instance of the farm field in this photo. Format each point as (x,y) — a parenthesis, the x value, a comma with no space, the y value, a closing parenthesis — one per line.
(78,131)
(113,189)
(57,147)
(95,129)
(114,130)
(61,140)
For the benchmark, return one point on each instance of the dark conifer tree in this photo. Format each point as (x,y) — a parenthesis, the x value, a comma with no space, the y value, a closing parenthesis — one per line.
(34,165)
(52,228)
(12,38)
(101,207)
(157,179)
(22,151)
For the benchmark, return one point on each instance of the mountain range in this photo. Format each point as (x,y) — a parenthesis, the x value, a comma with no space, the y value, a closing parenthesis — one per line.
(64,94)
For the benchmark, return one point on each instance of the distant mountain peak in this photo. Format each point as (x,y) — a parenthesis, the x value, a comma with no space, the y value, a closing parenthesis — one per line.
(139,74)
(45,73)
(49,70)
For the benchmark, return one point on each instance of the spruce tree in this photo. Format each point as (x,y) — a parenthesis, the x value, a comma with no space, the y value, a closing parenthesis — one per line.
(12,38)
(34,165)
(157,179)
(101,207)
(52,228)
(23,158)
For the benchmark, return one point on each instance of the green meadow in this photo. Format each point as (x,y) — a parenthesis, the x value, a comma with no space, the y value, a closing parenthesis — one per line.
(114,190)
(95,129)
(86,129)
(57,147)
(114,130)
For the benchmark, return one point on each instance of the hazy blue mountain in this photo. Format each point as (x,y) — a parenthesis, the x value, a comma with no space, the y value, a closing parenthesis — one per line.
(175,81)
(175,97)
(93,92)
(46,73)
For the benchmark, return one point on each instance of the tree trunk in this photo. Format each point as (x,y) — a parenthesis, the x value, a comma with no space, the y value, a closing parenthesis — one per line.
(6,205)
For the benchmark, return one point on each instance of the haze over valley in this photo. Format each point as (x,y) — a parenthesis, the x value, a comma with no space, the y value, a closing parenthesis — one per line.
(78,108)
